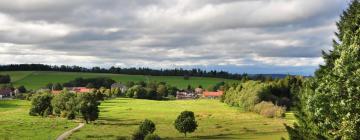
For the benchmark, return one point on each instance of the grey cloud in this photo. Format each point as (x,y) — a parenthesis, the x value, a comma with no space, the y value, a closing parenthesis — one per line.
(224,34)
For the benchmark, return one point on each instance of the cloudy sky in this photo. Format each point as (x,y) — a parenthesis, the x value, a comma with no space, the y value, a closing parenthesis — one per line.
(253,36)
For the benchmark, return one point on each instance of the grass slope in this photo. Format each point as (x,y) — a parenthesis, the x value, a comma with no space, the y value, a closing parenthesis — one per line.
(16,124)
(120,117)
(38,79)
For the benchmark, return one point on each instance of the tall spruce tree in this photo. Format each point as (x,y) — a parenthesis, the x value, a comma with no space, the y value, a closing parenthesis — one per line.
(328,107)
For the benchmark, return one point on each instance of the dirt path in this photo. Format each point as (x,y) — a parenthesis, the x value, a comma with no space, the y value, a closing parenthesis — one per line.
(68,133)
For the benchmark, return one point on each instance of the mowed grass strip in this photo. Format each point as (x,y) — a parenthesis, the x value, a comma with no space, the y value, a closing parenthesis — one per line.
(16,124)
(38,79)
(120,117)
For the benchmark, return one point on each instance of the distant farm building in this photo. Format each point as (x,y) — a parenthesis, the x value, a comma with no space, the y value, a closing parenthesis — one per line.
(185,95)
(199,91)
(6,93)
(122,87)
(212,94)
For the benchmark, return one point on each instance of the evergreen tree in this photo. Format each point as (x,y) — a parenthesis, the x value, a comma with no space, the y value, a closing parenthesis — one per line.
(329,105)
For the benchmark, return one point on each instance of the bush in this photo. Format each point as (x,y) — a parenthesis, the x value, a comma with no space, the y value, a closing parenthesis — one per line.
(247,95)
(137,135)
(41,105)
(152,137)
(270,110)
(147,127)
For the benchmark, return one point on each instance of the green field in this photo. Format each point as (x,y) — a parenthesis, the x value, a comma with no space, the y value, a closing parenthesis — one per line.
(120,117)
(37,79)
(17,124)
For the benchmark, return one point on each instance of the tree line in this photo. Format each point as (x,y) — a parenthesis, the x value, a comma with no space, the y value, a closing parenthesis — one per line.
(5,79)
(132,71)
(271,98)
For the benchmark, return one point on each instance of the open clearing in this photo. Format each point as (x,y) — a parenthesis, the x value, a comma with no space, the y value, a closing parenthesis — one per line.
(38,79)
(120,117)
(17,124)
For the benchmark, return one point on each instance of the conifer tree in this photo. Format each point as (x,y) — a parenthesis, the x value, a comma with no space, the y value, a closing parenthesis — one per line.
(328,106)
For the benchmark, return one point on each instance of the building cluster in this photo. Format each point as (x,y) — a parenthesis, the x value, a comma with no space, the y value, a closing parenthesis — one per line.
(180,95)
(8,93)
(198,93)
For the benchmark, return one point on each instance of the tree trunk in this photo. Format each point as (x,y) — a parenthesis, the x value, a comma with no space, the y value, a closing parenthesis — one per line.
(185,134)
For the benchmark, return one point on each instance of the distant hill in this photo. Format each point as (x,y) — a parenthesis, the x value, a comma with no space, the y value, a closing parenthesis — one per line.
(38,79)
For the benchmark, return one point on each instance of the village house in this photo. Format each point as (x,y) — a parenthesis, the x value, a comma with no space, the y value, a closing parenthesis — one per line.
(6,93)
(212,94)
(185,95)
(199,91)
(121,86)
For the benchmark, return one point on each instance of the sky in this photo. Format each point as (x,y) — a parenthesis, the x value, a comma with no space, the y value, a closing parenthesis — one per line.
(238,36)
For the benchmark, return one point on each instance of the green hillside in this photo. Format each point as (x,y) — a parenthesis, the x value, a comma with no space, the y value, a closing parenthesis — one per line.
(38,79)
(120,117)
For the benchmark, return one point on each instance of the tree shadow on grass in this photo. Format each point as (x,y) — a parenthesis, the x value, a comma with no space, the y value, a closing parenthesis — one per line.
(119,122)
(217,137)
(4,105)
(99,136)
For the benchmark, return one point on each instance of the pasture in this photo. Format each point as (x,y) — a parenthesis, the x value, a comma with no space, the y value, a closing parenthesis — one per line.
(38,79)
(120,117)
(17,124)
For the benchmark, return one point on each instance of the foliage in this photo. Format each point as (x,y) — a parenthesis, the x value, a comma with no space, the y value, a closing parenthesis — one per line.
(152,137)
(88,106)
(185,122)
(41,104)
(247,95)
(151,90)
(5,79)
(57,86)
(118,70)
(268,109)
(22,89)
(147,127)
(64,105)
(93,82)
(329,104)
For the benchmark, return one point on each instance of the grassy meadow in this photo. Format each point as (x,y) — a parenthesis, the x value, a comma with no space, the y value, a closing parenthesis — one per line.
(120,117)
(17,124)
(38,79)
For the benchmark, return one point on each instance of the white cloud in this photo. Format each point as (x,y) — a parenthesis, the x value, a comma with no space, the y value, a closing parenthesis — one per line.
(169,33)
(14,31)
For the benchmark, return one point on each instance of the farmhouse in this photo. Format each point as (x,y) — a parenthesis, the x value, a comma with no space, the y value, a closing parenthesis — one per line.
(185,95)
(212,94)
(122,87)
(199,91)
(6,93)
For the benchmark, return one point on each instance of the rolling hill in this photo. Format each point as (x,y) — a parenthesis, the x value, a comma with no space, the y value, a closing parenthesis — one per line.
(38,79)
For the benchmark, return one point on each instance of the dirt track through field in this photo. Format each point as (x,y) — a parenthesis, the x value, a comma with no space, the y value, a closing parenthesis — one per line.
(68,133)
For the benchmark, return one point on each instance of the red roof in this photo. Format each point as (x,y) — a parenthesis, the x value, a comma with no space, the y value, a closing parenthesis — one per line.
(213,94)
(81,89)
